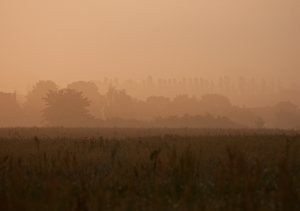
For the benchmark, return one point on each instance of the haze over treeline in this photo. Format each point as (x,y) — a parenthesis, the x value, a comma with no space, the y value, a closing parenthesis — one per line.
(86,104)
(176,60)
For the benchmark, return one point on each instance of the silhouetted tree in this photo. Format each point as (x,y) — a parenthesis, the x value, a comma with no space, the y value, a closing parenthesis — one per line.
(120,104)
(90,90)
(184,104)
(86,87)
(40,89)
(216,103)
(34,103)
(157,106)
(67,107)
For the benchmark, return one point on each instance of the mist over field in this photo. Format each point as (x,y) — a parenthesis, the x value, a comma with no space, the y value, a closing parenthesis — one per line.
(149,105)
(142,60)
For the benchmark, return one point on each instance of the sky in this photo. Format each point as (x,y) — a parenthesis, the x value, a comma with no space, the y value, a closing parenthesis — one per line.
(70,40)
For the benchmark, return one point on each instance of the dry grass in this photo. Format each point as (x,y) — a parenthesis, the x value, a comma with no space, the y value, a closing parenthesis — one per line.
(60,169)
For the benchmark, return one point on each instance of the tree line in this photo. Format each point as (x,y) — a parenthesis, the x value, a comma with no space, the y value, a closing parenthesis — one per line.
(82,104)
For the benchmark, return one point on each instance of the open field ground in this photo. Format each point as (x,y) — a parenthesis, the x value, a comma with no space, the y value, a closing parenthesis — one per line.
(149,169)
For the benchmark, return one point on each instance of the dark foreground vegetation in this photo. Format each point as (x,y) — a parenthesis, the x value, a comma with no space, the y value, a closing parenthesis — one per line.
(154,169)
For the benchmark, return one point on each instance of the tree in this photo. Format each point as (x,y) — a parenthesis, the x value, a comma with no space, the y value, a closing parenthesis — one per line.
(216,100)
(90,90)
(39,91)
(35,104)
(121,105)
(184,104)
(215,104)
(67,107)
(157,106)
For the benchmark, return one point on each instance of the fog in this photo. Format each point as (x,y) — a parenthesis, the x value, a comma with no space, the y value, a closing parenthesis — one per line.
(66,40)
(171,54)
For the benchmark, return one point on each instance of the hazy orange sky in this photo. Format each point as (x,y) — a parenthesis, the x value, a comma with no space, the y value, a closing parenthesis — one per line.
(67,40)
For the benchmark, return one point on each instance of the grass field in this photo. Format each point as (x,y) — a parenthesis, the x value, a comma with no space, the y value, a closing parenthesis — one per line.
(149,169)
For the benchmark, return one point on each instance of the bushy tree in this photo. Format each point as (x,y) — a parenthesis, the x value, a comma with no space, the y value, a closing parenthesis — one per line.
(67,107)
(35,104)
(38,92)
(90,90)
(120,104)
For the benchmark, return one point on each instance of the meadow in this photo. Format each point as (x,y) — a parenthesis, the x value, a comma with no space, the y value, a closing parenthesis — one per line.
(149,169)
